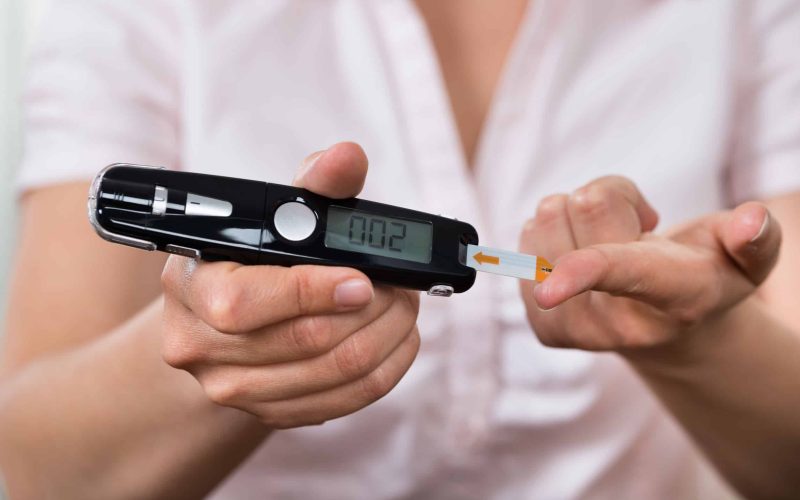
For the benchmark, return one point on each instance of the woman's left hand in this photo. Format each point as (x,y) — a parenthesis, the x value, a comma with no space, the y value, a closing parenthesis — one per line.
(617,286)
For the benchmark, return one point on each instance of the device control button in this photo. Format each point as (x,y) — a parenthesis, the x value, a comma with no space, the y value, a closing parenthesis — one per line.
(183,251)
(441,291)
(209,207)
(295,221)
(160,201)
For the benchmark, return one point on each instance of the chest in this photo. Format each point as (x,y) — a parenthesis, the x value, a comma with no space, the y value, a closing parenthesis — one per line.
(472,39)
(644,92)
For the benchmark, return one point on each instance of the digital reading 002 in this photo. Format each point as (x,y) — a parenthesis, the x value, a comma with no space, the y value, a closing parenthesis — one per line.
(363,232)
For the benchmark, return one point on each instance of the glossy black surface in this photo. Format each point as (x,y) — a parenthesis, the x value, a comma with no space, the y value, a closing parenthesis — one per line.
(449,244)
(236,238)
(249,235)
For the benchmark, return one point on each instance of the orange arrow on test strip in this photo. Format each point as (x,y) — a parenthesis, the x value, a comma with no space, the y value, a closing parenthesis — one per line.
(486,259)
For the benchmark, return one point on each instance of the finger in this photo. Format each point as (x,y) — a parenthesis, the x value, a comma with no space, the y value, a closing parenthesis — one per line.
(548,234)
(192,343)
(237,299)
(338,172)
(609,210)
(660,274)
(344,400)
(752,238)
(354,358)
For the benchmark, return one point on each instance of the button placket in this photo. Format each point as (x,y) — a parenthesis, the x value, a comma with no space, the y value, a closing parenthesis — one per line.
(446,187)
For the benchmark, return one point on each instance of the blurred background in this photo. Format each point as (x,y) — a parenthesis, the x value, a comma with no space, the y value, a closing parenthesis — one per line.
(18,21)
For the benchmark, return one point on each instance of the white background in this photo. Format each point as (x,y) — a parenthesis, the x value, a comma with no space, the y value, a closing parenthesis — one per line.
(17,21)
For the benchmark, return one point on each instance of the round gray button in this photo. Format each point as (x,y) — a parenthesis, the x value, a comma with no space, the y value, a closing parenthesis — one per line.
(295,221)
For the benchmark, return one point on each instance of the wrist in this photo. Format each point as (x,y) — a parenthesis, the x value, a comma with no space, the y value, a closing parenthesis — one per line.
(694,347)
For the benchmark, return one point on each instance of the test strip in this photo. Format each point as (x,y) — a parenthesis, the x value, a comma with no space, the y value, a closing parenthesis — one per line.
(514,264)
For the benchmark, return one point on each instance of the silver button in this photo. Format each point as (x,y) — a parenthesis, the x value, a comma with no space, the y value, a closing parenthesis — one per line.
(210,207)
(295,221)
(441,291)
(160,201)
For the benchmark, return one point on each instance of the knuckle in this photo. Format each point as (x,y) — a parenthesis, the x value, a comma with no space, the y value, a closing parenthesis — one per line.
(623,185)
(377,384)
(311,335)
(551,207)
(591,200)
(690,314)
(355,358)
(302,282)
(222,392)
(224,308)
(178,352)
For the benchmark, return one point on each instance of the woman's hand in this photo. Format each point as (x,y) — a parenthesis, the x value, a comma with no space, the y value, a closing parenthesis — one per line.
(617,286)
(293,346)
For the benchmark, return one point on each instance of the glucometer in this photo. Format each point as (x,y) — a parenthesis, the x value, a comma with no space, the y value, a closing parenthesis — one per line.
(252,222)
(216,218)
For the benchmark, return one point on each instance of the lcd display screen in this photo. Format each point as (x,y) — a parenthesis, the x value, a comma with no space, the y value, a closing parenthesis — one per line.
(373,234)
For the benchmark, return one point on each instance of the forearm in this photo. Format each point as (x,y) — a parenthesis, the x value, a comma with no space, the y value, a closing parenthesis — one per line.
(735,387)
(112,420)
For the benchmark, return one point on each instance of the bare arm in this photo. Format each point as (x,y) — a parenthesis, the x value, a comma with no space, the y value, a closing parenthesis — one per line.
(688,309)
(737,389)
(72,391)
(98,414)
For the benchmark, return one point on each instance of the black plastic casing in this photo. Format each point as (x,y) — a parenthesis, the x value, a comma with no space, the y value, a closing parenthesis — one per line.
(248,235)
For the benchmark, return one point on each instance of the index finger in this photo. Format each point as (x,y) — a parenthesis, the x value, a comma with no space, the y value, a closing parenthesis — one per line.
(233,298)
(609,210)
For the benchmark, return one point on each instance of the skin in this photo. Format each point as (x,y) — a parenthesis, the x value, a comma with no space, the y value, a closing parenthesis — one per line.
(247,368)
(690,310)
(473,39)
(316,353)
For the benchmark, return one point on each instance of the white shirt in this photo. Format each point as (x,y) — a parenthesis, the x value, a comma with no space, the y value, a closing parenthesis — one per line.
(697,101)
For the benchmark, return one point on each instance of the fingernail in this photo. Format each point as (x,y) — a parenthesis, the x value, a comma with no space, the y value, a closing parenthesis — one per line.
(353,293)
(307,165)
(763,230)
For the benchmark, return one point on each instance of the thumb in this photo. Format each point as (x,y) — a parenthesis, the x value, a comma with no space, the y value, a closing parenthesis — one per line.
(338,172)
(752,238)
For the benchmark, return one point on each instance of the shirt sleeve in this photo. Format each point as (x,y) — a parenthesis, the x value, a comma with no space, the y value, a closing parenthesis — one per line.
(102,87)
(766,159)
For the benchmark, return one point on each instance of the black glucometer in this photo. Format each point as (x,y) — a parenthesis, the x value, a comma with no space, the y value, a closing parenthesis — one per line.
(212,218)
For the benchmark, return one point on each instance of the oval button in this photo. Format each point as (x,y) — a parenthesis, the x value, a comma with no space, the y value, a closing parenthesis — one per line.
(295,221)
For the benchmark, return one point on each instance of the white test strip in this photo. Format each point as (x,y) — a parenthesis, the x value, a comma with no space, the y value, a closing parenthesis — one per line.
(514,264)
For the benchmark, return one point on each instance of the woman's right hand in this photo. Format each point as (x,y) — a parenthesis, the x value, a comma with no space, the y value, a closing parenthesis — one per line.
(293,346)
